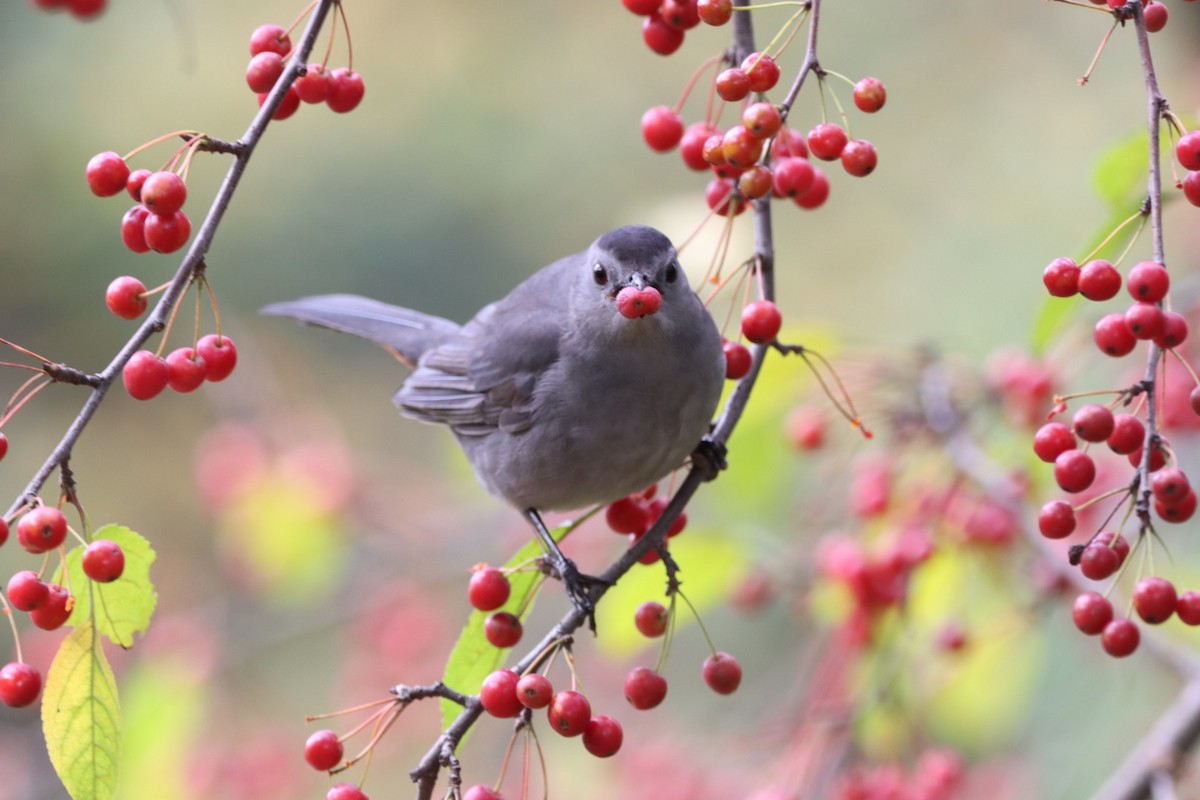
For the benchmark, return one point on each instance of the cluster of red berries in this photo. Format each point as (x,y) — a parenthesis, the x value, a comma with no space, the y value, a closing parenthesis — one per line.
(761,321)
(634,515)
(1117,334)
(80,9)
(488,590)
(184,369)
(340,89)
(1155,599)
(1187,150)
(41,530)
(666,21)
(937,775)
(158,222)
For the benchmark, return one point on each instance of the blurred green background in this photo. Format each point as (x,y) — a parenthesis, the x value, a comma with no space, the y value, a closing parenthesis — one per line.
(321,554)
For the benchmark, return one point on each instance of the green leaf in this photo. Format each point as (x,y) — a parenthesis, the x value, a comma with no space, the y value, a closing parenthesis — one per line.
(123,607)
(1120,173)
(474,657)
(81,717)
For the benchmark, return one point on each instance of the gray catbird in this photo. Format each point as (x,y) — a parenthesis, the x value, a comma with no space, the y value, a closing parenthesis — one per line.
(592,379)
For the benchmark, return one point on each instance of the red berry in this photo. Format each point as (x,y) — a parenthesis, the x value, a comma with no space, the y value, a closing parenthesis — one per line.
(1194,400)
(488,589)
(762,119)
(762,70)
(733,85)
(1061,277)
(86,9)
(1056,520)
(125,297)
(26,590)
(1128,434)
(869,95)
(826,141)
(346,90)
(42,529)
(103,561)
(603,736)
(1099,280)
(662,128)
(3,527)
(1145,320)
(270,38)
(761,321)
(642,8)
(789,143)
(1155,15)
(1170,485)
(345,791)
(1052,440)
(691,146)
(1174,331)
(569,713)
(3,452)
(313,86)
(480,792)
(106,174)
(722,673)
(717,195)
(756,182)
(1120,637)
(323,751)
(502,629)
(145,375)
(1154,599)
(1113,337)
(263,70)
(644,688)
(20,684)
(499,694)
(737,360)
(1187,607)
(164,193)
(715,12)
(133,229)
(741,148)
(52,614)
(1191,187)
(1180,511)
(1074,471)
(1158,456)
(627,515)
(166,234)
(1093,423)
(535,690)
(859,158)
(1148,282)
(793,176)
(817,194)
(1099,561)
(219,354)
(1187,150)
(651,619)
(287,106)
(185,370)
(1091,613)
(681,14)
(133,184)
(806,428)
(661,37)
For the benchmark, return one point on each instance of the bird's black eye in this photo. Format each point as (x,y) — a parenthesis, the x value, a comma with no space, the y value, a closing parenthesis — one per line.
(600,275)
(672,272)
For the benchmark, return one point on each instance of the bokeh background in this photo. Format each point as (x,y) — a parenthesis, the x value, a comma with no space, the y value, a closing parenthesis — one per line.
(313,547)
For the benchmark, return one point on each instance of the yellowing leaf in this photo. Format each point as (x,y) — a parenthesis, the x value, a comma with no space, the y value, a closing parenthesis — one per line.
(81,718)
(123,607)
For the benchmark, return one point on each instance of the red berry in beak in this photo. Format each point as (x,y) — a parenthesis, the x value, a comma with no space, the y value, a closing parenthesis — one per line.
(633,302)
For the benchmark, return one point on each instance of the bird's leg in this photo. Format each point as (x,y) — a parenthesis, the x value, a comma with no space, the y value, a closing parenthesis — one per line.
(578,586)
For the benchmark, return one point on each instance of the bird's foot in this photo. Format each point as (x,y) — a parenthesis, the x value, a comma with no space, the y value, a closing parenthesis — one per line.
(581,588)
(709,457)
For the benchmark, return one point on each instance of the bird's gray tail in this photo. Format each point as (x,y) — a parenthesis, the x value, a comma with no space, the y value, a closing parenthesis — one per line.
(408,332)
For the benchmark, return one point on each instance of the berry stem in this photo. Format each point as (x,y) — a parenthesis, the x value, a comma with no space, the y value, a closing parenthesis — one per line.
(189,134)
(12,623)
(707,64)
(700,622)
(1103,43)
